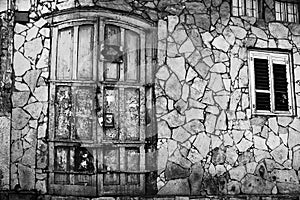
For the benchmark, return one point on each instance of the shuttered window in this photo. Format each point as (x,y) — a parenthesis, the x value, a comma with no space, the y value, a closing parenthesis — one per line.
(101,96)
(271,86)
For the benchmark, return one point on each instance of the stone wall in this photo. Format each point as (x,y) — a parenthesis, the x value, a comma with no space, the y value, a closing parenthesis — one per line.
(209,143)
(5,93)
(214,144)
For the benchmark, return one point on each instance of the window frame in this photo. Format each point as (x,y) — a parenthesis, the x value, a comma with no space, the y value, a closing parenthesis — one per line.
(98,19)
(283,56)
(285,14)
(242,10)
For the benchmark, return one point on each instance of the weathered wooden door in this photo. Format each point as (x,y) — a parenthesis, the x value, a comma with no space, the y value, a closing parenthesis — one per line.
(100,109)
(122,113)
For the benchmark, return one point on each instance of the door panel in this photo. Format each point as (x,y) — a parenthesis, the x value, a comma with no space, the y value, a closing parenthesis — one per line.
(84,107)
(131,117)
(132,41)
(85,52)
(65,54)
(63,111)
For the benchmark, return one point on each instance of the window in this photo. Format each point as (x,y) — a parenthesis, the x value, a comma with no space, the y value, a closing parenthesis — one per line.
(271,83)
(245,8)
(287,11)
(3,5)
(101,127)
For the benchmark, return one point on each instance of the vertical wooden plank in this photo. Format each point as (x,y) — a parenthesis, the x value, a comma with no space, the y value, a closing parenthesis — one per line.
(290,78)
(122,166)
(51,162)
(122,131)
(100,168)
(65,54)
(74,68)
(85,52)
(143,158)
(72,165)
(52,114)
(122,65)
(54,54)
(101,41)
(143,113)
(95,50)
(142,57)
(132,61)
(95,156)
(99,112)
(94,118)
(150,62)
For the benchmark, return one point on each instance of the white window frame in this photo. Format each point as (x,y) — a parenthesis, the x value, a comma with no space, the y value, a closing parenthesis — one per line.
(243,7)
(283,13)
(279,58)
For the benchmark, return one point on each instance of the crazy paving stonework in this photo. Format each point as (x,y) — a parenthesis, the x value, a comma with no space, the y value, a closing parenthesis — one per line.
(214,145)
(29,102)
(208,141)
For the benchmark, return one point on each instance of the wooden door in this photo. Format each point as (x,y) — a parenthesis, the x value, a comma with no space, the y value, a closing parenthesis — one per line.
(121,160)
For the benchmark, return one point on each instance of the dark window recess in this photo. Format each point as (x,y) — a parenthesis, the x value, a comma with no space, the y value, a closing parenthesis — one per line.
(21,17)
(84,160)
(280,87)
(263,101)
(261,71)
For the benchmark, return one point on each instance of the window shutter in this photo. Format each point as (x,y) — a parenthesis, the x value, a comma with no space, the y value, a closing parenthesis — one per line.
(262,84)
(280,87)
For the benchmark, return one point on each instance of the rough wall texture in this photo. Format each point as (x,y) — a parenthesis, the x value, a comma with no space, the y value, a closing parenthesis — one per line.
(5,93)
(209,143)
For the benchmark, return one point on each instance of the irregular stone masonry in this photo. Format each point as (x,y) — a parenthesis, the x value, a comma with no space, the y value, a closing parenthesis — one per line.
(6,34)
(208,141)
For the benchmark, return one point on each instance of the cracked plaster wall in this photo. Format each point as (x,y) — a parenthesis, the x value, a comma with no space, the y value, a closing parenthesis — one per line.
(208,142)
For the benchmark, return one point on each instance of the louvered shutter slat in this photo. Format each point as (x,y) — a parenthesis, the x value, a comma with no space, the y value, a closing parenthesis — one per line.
(261,71)
(280,87)
(262,101)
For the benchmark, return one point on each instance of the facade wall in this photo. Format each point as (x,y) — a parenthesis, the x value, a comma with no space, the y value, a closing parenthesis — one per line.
(6,26)
(209,143)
